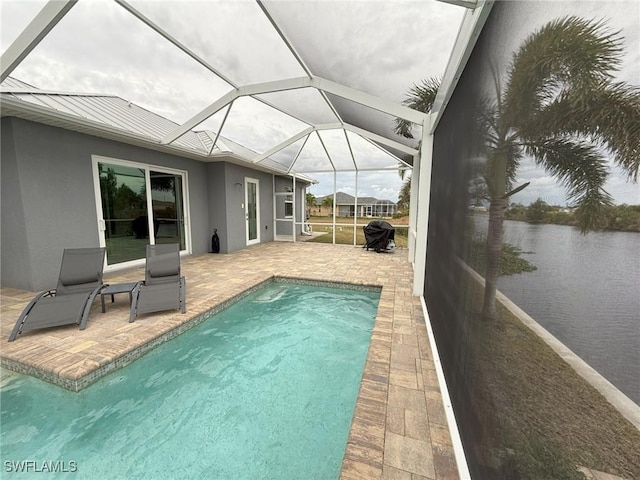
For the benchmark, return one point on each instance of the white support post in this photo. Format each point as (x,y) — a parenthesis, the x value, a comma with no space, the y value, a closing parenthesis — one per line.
(303,197)
(355,214)
(413,208)
(335,186)
(275,197)
(426,155)
(293,219)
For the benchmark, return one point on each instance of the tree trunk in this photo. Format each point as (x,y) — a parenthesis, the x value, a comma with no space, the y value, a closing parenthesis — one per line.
(497,210)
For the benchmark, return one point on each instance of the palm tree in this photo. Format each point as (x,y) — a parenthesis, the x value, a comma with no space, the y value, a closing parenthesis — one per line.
(561,107)
(405,195)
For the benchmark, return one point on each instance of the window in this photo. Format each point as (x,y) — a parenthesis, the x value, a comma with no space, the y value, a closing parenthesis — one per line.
(288,209)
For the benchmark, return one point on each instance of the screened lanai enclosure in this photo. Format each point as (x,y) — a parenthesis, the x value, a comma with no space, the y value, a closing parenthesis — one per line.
(140,122)
(276,100)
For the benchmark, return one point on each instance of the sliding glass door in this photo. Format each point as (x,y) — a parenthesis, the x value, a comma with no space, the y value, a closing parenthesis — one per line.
(139,205)
(167,207)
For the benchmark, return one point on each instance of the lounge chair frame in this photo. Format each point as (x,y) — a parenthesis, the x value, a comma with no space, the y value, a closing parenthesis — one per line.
(162,274)
(78,285)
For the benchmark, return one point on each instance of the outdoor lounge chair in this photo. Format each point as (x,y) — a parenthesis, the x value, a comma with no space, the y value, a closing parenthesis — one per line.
(79,282)
(163,288)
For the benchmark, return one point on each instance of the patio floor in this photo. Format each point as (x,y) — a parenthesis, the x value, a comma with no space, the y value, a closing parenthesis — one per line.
(399,429)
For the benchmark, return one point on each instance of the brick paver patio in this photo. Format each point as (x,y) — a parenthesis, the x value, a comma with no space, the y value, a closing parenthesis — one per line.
(399,429)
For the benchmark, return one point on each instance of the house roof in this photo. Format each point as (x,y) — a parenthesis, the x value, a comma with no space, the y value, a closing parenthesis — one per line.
(108,110)
(318,115)
(112,117)
(346,199)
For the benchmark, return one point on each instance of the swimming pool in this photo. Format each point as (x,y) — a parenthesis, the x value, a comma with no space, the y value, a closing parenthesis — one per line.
(263,389)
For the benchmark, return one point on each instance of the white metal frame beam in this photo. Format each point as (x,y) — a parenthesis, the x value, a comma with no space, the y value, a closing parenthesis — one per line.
(30,37)
(353,158)
(380,139)
(55,10)
(295,159)
(326,151)
(321,84)
(295,53)
(284,38)
(220,103)
(472,24)
(470,4)
(369,100)
(167,36)
(160,31)
(285,144)
(344,126)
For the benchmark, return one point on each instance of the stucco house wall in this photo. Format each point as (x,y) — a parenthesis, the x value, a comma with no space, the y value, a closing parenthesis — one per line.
(49,202)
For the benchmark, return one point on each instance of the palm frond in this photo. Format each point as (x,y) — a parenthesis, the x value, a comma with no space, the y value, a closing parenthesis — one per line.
(581,169)
(420,97)
(609,115)
(566,53)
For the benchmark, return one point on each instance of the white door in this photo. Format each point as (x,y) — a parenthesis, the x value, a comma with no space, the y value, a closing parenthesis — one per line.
(252,210)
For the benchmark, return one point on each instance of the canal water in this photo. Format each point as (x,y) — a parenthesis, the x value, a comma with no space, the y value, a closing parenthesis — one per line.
(585,291)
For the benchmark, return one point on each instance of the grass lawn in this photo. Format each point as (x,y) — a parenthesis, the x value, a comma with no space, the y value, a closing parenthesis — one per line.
(344,230)
(535,398)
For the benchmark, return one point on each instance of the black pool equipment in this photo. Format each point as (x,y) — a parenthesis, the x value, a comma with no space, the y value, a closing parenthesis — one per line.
(379,236)
(215,242)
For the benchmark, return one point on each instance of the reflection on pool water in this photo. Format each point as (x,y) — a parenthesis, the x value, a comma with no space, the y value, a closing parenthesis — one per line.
(264,389)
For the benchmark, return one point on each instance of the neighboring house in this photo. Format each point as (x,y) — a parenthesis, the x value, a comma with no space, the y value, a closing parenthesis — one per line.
(366,206)
(82,170)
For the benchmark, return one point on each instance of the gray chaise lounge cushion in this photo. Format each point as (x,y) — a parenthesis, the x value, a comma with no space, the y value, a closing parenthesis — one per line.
(163,287)
(79,282)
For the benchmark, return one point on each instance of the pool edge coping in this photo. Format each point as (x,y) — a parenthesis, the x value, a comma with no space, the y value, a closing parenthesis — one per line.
(128,357)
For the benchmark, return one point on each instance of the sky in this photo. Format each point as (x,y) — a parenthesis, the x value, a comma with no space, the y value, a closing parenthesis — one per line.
(381,47)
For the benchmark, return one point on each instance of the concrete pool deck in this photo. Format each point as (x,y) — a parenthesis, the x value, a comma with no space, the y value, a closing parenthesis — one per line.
(399,429)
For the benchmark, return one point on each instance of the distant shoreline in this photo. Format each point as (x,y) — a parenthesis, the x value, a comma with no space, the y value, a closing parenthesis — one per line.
(618,218)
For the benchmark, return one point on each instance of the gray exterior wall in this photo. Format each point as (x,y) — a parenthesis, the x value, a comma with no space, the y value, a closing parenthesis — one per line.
(14,262)
(217,202)
(284,184)
(48,199)
(235,230)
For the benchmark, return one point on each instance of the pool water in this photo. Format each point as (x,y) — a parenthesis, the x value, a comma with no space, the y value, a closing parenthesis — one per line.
(263,389)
